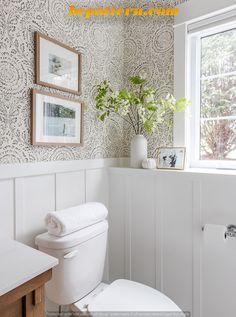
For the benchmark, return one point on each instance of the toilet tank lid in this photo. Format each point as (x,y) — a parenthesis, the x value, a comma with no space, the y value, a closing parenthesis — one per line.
(50,241)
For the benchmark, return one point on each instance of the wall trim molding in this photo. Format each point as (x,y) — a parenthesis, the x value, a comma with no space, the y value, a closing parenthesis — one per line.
(8,171)
(188,171)
(195,10)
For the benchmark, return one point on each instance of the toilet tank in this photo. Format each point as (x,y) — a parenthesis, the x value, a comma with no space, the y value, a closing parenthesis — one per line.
(81,258)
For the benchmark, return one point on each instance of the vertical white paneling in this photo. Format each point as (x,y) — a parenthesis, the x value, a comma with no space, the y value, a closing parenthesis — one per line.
(97,186)
(197,246)
(177,244)
(218,199)
(97,190)
(35,196)
(155,220)
(218,258)
(162,227)
(218,273)
(159,202)
(70,189)
(142,229)
(7,209)
(158,220)
(117,205)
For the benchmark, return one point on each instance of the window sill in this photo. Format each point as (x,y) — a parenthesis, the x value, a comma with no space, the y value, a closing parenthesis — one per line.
(207,170)
(213,164)
(190,170)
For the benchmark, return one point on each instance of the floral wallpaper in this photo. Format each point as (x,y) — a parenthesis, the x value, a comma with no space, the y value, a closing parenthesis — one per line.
(113,48)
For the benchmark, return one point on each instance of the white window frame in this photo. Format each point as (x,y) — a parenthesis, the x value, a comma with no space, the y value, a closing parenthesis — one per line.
(194,50)
(193,15)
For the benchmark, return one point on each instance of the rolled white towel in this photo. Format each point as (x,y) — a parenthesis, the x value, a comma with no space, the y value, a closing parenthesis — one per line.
(63,222)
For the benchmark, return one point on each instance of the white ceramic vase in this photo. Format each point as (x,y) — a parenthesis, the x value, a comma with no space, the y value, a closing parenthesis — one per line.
(138,151)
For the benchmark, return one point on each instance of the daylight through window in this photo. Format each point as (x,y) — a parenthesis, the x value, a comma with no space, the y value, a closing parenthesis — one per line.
(218,96)
(213,95)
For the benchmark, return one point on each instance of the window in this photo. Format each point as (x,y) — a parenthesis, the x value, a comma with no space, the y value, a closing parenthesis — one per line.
(213,96)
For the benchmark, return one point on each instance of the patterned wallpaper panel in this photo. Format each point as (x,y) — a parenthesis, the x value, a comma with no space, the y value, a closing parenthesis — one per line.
(112,48)
(149,47)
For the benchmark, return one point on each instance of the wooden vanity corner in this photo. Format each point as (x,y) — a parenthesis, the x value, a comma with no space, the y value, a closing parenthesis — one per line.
(23,274)
(26,300)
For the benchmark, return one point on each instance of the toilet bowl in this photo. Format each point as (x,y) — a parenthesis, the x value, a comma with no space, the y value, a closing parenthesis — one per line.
(77,280)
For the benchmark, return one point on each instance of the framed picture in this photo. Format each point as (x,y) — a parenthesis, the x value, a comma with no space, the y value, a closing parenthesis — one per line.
(171,158)
(57,65)
(56,120)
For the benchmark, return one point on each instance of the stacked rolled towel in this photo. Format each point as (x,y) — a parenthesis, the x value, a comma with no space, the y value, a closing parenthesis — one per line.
(66,221)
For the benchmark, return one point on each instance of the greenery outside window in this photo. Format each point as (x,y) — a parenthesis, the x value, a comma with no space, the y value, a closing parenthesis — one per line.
(213,95)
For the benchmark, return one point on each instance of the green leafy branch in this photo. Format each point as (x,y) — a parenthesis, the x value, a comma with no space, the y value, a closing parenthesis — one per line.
(138,107)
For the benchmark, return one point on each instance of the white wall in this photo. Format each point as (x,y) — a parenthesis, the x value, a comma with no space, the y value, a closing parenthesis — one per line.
(29,191)
(155,221)
(156,237)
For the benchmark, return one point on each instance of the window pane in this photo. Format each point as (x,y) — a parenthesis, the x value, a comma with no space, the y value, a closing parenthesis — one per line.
(218,97)
(218,53)
(218,139)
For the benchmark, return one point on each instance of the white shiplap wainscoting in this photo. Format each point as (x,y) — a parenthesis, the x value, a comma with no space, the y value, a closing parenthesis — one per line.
(156,236)
(155,221)
(29,191)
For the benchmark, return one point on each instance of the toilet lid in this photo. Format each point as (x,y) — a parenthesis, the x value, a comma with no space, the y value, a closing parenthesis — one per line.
(128,296)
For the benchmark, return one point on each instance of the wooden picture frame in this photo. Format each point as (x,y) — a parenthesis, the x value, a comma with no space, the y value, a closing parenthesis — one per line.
(56,120)
(171,158)
(57,65)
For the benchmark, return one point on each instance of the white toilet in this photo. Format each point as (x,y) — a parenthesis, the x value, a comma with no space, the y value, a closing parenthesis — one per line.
(77,279)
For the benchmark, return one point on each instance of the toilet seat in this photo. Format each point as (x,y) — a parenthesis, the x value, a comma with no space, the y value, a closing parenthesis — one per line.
(128,296)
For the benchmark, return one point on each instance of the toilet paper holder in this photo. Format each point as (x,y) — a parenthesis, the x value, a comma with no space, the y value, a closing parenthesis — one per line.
(230,231)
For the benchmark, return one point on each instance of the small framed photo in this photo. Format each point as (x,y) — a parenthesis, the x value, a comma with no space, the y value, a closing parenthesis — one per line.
(56,120)
(171,158)
(57,65)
